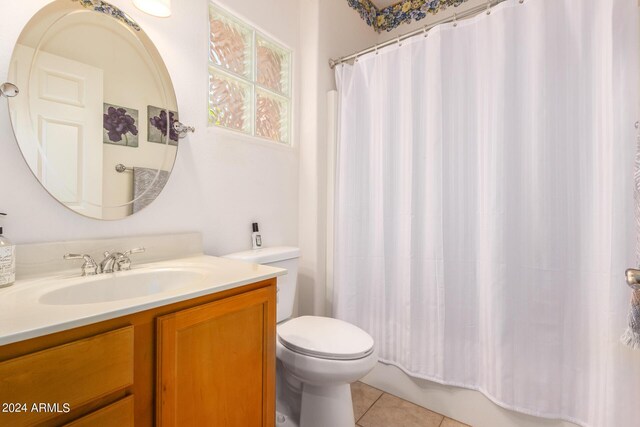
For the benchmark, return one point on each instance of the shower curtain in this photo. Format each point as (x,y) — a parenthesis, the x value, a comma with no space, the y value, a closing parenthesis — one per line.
(484,206)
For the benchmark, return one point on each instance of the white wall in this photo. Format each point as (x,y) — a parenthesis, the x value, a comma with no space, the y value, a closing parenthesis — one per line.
(221,182)
(331,29)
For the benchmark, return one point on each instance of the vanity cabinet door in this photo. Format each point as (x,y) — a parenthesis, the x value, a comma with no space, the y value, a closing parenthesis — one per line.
(216,363)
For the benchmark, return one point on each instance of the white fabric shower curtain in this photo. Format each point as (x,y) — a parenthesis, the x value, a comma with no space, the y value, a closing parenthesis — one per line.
(484,206)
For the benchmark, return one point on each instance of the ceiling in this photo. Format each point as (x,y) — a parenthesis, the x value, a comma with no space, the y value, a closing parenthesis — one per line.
(381,4)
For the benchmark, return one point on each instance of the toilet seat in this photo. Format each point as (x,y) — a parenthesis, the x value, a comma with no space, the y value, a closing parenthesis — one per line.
(325,338)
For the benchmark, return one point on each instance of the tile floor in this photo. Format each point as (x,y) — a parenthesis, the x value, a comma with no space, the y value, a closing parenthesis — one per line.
(374,408)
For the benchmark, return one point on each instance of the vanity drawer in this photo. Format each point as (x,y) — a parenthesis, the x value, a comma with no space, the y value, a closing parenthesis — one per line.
(118,414)
(74,374)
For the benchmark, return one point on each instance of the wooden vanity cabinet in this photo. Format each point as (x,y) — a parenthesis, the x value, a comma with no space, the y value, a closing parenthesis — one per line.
(208,361)
(37,387)
(212,369)
(118,414)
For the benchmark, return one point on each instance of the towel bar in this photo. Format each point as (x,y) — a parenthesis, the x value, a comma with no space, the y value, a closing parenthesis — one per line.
(120,168)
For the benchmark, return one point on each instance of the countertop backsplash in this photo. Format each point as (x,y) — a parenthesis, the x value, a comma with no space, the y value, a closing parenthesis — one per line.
(38,259)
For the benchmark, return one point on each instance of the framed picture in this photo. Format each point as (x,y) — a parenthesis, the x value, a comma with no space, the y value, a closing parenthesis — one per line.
(158,123)
(120,125)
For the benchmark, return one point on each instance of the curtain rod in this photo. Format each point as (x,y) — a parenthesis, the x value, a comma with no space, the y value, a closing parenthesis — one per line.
(456,16)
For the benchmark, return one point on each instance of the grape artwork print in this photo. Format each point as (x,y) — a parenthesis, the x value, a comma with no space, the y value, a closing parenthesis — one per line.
(158,122)
(120,125)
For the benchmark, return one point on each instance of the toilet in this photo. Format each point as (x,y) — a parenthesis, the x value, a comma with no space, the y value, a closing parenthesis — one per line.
(318,357)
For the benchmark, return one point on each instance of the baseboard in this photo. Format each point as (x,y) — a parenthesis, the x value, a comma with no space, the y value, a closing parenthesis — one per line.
(467,406)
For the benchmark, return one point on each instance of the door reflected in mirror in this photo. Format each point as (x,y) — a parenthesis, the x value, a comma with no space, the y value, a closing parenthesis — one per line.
(94,94)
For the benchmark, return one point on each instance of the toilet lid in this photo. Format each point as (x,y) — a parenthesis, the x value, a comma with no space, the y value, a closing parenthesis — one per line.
(325,337)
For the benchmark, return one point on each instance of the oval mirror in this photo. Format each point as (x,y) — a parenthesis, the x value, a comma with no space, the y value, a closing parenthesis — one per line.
(93,107)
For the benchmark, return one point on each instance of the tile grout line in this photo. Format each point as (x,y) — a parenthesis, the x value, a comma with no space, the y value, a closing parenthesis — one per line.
(444,417)
(413,403)
(371,406)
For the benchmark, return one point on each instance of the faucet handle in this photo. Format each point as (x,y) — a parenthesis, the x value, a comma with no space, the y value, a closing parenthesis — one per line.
(78,256)
(134,251)
(124,263)
(89,268)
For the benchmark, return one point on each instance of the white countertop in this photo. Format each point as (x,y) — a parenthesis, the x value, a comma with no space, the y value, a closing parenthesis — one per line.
(24,316)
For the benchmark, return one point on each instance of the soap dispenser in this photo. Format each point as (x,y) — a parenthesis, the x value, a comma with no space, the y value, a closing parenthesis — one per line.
(256,238)
(7,261)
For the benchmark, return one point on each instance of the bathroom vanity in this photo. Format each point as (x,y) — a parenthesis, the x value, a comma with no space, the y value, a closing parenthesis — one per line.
(198,354)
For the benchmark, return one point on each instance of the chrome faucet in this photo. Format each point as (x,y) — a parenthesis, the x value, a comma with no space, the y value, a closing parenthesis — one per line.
(89,268)
(116,261)
(109,261)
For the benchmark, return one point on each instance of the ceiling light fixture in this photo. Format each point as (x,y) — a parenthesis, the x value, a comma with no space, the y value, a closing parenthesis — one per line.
(159,8)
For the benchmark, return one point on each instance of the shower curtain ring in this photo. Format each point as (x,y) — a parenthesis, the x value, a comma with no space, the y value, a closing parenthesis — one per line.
(424,31)
(455,20)
(637,125)
(376,48)
(488,7)
(399,41)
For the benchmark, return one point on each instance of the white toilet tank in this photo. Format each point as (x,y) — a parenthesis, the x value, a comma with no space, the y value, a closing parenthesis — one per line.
(281,257)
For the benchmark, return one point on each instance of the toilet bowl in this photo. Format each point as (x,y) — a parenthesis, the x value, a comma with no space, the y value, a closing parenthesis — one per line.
(325,355)
(318,357)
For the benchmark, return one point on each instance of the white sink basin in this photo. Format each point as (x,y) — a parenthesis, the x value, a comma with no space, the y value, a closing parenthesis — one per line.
(123,285)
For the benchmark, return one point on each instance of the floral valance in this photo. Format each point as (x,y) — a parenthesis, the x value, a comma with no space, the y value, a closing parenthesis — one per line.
(404,11)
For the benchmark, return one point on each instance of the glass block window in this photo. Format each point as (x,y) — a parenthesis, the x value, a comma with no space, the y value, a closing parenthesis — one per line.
(249,79)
